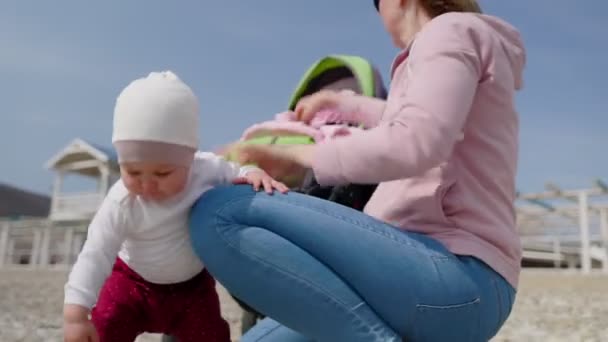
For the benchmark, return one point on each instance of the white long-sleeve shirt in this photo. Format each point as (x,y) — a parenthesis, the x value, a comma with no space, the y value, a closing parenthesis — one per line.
(152,238)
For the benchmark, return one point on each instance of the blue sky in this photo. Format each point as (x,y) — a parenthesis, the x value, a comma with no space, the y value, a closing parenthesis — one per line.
(63,63)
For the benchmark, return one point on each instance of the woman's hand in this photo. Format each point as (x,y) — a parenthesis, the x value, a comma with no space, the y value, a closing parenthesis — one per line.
(309,105)
(259,178)
(283,163)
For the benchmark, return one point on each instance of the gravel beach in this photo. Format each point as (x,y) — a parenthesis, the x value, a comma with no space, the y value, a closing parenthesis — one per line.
(551,306)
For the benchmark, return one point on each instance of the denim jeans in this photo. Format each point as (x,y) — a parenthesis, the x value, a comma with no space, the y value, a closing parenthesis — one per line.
(330,273)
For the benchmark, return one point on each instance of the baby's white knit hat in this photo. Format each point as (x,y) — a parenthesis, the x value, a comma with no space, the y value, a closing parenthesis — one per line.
(156,118)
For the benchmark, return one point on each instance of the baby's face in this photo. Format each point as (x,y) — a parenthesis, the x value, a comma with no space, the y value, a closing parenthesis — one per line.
(154,181)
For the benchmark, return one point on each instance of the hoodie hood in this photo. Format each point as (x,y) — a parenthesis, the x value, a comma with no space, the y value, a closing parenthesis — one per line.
(512,43)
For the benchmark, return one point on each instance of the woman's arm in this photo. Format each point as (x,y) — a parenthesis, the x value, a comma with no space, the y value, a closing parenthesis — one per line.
(442,83)
(342,106)
(361,109)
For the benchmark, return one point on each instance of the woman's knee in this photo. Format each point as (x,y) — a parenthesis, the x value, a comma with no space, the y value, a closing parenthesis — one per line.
(208,216)
(207,209)
(212,201)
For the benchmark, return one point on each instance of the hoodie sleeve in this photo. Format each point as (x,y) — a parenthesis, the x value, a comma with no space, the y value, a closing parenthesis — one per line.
(444,70)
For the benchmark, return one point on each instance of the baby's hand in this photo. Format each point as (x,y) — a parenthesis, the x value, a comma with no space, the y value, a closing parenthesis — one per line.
(80,332)
(259,178)
(76,325)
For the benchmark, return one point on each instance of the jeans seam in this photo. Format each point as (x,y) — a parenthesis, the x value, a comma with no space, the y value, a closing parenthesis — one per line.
(511,292)
(448,307)
(500,306)
(293,276)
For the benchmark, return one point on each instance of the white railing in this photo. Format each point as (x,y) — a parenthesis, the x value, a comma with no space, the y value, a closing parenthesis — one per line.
(40,243)
(75,206)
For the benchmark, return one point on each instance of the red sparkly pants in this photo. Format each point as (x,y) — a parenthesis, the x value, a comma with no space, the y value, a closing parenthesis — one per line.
(128,305)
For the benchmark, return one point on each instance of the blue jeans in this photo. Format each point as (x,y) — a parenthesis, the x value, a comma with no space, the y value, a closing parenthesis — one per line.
(330,273)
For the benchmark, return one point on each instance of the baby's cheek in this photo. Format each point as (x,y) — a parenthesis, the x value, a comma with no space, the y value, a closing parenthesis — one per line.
(181,186)
(172,188)
(130,184)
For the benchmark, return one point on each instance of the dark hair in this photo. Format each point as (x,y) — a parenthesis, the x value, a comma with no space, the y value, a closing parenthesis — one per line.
(438,7)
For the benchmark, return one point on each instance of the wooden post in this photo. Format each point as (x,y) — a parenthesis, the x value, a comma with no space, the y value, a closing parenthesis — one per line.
(604,231)
(4,236)
(557,251)
(57,185)
(11,251)
(68,243)
(104,179)
(583,217)
(45,245)
(35,252)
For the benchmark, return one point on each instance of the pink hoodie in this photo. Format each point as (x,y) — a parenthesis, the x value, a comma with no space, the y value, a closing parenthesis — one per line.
(444,144)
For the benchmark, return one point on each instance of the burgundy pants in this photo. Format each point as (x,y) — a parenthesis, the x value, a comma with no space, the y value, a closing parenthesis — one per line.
(128,305)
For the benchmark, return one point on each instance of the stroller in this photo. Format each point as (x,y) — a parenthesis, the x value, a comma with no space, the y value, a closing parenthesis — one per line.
(335,72)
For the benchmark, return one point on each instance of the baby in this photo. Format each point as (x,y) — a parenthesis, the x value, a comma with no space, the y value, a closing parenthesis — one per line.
(137,271)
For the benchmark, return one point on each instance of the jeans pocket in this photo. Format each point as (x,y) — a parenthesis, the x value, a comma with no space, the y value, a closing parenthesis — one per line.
(458,322)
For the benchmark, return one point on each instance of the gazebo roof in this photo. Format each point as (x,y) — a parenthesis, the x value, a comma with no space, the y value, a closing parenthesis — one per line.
(84,158)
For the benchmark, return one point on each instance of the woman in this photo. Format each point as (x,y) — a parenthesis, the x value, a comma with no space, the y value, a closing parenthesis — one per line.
(436,255)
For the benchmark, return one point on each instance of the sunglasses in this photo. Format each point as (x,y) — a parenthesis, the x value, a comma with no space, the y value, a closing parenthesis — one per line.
(376,2)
